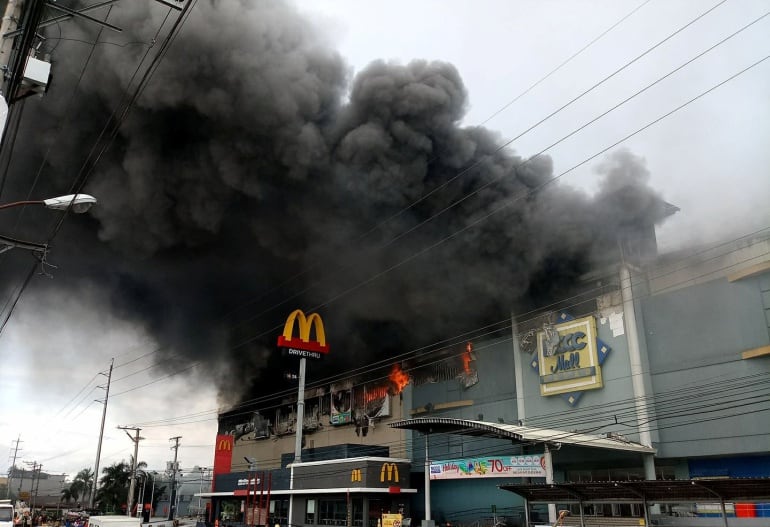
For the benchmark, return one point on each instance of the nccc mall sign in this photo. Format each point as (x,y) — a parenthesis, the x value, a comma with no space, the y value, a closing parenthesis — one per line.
(302,346)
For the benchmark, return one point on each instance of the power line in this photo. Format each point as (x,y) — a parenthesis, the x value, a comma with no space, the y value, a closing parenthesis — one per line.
(492,328)
(113,125)
(561,65)
(373,367)
(507,203)
(503,108)
(498,149)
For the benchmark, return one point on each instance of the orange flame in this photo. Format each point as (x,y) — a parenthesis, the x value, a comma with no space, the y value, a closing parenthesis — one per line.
(467,358)
(399,378)
(372,394)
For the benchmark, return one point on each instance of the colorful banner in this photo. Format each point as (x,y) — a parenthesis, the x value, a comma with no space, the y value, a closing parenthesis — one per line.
(490,467)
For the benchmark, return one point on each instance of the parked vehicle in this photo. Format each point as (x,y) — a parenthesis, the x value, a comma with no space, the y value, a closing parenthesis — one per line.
(6,513)
(114,521)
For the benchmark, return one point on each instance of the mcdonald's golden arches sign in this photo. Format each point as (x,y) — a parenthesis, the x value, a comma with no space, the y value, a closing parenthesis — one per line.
(301,346)
(355,475)
(389,472)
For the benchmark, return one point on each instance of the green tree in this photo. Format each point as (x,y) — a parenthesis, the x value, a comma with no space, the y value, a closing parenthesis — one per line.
(66,495)
(112,494)
(113,487)
(82,484)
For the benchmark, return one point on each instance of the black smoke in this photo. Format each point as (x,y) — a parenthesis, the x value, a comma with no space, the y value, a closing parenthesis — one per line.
(254,176)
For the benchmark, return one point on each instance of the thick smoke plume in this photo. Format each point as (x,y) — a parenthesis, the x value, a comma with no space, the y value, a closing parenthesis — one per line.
(255,173)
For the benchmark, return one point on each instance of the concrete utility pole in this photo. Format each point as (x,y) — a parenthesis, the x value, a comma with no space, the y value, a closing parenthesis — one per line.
(172,494)
(35,467)
(92,490)
(131,487)
(13,466)
(37,485)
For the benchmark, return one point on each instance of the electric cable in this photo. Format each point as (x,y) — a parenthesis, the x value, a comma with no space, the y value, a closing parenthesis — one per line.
(475,334)
(561,65)
(506,203)
(391,360)
(497,150)
(83,174)
(507,105)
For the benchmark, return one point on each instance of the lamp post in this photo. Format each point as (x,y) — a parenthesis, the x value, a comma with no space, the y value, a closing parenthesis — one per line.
(200,491)
(152,493)
(140,499)
(77,203)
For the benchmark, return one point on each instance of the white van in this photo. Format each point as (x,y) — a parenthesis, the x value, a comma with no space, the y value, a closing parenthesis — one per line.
(114,521)
(6,513)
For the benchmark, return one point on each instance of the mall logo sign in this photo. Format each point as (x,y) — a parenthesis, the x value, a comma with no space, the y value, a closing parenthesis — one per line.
(569,358)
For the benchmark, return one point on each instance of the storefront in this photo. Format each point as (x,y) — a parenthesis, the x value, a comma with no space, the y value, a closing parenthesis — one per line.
(341,492)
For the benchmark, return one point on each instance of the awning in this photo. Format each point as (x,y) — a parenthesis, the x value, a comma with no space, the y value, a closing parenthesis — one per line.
(658,491)
(525,434)
(286,492)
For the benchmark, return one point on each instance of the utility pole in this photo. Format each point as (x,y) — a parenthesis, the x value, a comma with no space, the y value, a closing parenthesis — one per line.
(31,13)
(37,486)
(35,468)
(13,465)
(172,494)
(131,488)
(21,482)
(92,490)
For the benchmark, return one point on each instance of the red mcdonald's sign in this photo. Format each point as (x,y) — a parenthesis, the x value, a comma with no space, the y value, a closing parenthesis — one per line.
(223,454)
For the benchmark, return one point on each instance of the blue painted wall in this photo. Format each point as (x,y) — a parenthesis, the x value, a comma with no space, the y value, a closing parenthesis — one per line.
(734,467)
(695,337)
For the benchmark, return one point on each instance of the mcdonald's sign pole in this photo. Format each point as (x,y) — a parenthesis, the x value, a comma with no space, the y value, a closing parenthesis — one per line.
(304,348)
(298,436)
(428,522)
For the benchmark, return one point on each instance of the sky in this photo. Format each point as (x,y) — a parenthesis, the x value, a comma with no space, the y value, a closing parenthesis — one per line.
(710,159)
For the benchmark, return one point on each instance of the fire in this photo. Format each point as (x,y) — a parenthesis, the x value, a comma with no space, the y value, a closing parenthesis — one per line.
(372,394)
(399,378)
(467,358)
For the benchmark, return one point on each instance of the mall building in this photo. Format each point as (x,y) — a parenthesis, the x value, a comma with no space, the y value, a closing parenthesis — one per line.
(658,368)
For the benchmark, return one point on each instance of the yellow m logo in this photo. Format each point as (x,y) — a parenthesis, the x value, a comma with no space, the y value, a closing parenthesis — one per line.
(224,444)
(355,474)
(390,470)
(305,324)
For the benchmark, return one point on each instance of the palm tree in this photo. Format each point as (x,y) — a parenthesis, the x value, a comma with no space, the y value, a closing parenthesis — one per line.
(66,495)
(83,483)
(113,488)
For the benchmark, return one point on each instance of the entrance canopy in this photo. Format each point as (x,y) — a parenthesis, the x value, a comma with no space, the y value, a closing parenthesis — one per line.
(659,491)
(524,434)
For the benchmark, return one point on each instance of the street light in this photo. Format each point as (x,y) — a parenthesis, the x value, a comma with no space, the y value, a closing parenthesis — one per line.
(152,494)
(140,499)
(79,203)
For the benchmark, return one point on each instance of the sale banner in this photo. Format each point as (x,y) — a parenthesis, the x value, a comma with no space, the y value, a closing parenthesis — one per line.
(532,466)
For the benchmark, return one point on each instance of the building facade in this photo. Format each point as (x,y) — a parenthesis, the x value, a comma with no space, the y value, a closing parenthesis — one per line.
(669,355)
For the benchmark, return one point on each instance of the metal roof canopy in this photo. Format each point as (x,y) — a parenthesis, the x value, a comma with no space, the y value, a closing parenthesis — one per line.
(524,434)
(658,491)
